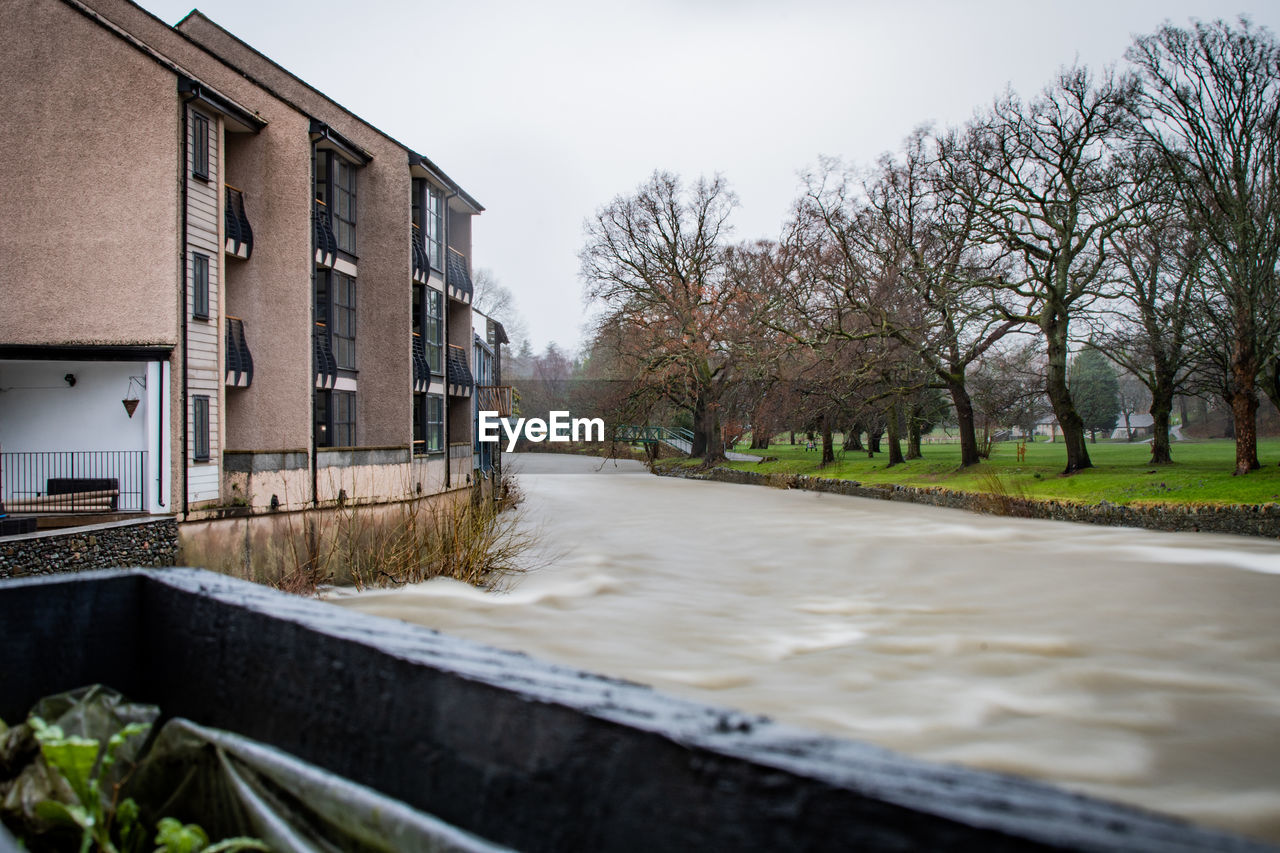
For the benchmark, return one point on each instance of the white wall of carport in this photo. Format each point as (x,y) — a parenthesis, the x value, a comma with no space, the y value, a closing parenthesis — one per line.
(40,411)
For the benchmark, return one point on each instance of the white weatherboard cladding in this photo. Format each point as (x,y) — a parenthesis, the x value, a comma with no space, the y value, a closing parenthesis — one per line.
(204,338)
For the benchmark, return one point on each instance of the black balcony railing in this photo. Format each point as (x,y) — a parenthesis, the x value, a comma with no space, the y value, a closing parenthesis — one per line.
(421,268)
(239,234)
(421,370)
(326,241)
(80,481)
(458,277)
(239,359)
(457,372)
(326,363)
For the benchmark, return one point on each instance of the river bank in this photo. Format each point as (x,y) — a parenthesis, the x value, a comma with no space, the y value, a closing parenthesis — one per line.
(1238,519)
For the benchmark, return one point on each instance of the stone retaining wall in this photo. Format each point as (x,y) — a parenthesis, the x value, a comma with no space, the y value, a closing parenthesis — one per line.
(1242,519)
(146,542)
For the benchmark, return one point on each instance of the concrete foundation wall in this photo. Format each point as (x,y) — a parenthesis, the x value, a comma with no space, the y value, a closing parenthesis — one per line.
(271,548)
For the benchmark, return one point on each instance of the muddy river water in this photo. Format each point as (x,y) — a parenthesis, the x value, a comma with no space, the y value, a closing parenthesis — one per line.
(1139,666)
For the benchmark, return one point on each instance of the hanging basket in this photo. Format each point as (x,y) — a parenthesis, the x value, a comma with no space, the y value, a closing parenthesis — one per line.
(130,405)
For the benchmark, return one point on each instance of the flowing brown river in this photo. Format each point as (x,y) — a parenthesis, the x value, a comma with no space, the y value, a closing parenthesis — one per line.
(1139,666)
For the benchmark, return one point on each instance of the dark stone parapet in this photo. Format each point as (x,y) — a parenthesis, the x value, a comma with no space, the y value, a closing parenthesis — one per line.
(1243,519)
(528,754)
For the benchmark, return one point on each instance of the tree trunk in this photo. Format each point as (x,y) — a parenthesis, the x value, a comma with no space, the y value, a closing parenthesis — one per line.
(698,445)
(713,452)
(913,435)
(760,439)
(828,443)
(1055,332)
(873,442)
(853,438)
(793,437)
(964,420)
(1160,452)
(1244,414)
(895,442)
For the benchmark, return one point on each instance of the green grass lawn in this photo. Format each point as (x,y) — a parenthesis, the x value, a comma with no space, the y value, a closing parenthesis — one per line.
(1200,474)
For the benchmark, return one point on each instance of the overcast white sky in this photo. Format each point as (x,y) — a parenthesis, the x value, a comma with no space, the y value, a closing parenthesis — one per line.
(544,110)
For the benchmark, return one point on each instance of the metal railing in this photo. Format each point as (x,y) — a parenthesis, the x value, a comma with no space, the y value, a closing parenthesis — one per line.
(239,372)
(65,481)
(326,240)
(239,234)
(421,267)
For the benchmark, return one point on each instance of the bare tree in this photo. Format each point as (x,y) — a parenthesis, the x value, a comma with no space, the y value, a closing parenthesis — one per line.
(496,300)
(1210,109)
(1047,192)
(1159,263)
(655,261)
(903,253)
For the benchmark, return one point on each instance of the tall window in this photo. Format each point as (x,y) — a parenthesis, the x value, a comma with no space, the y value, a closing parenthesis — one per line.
(200,427)
(344,418)
(433,331)
(344,321)
(435,228)
(200,285)
(335,417)
(336,187)
(199,146)
(428,423)
(435,423)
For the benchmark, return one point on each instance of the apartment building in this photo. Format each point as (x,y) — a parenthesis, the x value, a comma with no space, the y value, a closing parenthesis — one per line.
(220,291)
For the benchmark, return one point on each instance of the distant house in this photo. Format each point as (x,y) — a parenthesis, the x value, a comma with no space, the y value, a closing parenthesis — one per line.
(1141,425)
(1048,425)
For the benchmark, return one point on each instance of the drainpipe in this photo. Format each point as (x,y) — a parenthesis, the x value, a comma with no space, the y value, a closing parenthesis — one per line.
(315,492)
(160,390)
(183,290)
(444,427)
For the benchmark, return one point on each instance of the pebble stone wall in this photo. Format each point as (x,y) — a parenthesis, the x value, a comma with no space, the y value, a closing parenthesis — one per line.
(149,543)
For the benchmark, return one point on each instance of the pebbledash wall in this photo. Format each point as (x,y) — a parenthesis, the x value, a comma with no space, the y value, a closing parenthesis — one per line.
(1244,520)
(149,543)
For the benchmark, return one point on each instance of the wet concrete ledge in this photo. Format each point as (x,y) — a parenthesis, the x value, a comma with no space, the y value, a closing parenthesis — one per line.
(1244,519)
(524,753)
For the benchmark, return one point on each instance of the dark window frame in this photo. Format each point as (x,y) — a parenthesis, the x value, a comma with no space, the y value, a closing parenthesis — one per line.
(434,426)
(200,428)
(340,199)
(344,418)
(434,228)
(199,286)
(433,330)
(334,413)
(342,312)
(199,145)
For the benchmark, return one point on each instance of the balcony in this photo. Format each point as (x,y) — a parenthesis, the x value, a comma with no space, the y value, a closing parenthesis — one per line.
(239,359)
(421,267)
(458,277)
(496,398)
(457,373)
(80,481)
(326,240)
(326,363)
(239,234)
(421,369)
